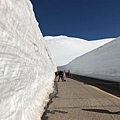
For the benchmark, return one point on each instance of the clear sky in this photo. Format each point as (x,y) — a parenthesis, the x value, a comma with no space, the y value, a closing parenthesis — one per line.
(87,19)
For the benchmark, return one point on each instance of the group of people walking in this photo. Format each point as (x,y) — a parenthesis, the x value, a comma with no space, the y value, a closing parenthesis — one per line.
(62,75)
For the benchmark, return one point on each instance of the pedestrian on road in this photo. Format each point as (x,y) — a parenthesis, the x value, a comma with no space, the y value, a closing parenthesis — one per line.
(64,76)
(60,75)
(56,74)
(69,74)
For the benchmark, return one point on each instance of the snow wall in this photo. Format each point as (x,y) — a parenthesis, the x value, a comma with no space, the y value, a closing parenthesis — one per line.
(102,63)
(65,49)
(26,66)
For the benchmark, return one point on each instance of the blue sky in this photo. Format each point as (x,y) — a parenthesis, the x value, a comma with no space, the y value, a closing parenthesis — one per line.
(87,19)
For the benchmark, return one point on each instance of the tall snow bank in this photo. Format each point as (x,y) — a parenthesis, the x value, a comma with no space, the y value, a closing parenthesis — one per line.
(102,63)
(65,49)
(26,67)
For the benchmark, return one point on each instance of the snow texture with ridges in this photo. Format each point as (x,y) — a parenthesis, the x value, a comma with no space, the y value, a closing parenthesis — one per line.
(26,66)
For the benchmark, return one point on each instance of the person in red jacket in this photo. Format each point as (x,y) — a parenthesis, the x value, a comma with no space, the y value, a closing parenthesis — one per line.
(69,74)
(56,74)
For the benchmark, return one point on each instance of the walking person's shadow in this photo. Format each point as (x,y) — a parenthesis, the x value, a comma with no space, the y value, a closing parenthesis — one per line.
(102,111)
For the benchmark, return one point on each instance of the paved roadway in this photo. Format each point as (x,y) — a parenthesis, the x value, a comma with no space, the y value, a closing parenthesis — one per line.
(84,99)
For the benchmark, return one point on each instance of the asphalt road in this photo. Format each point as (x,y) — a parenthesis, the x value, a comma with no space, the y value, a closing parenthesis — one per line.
(83,98)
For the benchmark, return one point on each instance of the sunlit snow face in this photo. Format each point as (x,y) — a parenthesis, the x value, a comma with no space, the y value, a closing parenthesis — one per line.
(26,67)
(65,49)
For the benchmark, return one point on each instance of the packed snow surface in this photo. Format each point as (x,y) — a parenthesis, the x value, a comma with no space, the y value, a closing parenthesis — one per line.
(97,59)
(65,49)
(26,66)
(102,63)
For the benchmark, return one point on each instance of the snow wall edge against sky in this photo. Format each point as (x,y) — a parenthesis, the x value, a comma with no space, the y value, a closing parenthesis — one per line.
(26,66)
(65,49)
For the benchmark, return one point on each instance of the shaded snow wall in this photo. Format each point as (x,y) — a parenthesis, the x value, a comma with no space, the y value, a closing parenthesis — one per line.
(102,63)
(26,67)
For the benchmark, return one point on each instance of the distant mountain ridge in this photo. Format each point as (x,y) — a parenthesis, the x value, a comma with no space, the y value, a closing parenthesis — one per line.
(65,49)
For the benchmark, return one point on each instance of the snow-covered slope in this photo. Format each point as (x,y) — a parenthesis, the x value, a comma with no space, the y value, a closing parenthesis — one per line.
(65,49)
(102,63)
(26,66)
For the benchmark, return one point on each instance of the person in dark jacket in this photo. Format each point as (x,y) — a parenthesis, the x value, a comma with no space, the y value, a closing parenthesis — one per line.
(60,75)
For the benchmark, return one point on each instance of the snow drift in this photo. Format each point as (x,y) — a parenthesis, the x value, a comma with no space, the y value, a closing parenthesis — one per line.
(26,66)
(65,49)
(102,63)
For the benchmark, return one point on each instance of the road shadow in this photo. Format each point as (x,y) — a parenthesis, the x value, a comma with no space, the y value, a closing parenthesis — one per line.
(108,86)
(58,111)
(52,95)
(102,111)
(45,117)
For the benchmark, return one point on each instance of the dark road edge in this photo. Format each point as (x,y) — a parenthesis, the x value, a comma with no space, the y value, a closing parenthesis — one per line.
(107,86)
(51,96)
